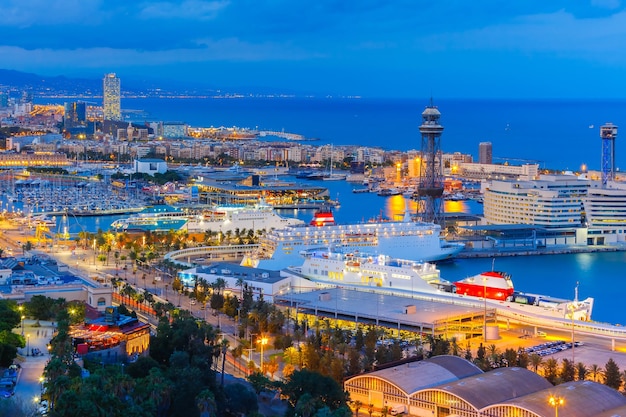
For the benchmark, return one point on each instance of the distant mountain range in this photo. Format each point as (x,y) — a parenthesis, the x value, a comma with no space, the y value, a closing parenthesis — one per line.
(16,80)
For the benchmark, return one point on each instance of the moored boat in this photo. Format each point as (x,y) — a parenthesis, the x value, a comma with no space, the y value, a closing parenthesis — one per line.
(492,284)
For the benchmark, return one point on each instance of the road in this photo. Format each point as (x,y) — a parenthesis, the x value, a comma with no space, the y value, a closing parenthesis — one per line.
(29,387)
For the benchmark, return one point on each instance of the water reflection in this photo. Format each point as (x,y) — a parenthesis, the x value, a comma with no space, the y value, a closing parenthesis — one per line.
(450,206)
(395,207)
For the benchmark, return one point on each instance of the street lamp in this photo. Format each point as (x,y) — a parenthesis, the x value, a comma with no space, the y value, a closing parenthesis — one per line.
(27,344)
(21,308)
(262,341)
(556,402)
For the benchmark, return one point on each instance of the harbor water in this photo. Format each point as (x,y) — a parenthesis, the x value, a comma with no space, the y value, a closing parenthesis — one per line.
(598,275)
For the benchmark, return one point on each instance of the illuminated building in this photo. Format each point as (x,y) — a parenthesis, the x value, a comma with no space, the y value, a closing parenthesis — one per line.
(554,201)
(485,153)
(111,338)
(111,107)
(75,114)
(37,159)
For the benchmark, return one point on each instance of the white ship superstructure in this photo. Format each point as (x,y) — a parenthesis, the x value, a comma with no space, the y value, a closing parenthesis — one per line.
(261,216)
(377,271)
(420,242)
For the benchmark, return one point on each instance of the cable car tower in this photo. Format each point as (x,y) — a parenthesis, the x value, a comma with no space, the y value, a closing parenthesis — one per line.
(608,134)
(430,191)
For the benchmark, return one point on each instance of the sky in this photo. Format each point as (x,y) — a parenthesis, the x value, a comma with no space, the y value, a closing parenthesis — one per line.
(369,48)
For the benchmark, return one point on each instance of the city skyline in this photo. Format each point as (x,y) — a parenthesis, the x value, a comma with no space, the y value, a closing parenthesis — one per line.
(373,49)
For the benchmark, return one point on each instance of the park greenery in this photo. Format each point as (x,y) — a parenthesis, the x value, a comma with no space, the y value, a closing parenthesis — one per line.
(310,357)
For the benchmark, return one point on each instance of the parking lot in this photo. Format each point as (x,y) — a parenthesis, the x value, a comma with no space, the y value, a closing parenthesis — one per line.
(551,347)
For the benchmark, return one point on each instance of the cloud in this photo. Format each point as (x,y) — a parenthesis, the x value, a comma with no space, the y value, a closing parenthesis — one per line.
(26,13)
(208,50)
(558,33)
(187,9)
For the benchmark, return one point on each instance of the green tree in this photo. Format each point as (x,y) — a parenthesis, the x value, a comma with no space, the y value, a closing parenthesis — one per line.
(259,382)
(581,371)
(240,400)
(40,307)
(568,371)
(550,371)
(535,362)
(323,388)
(612,374)
(10,317)
(596,372)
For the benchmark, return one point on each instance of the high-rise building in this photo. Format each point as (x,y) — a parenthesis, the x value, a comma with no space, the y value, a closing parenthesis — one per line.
(75,114)
(111,107)
(485,153)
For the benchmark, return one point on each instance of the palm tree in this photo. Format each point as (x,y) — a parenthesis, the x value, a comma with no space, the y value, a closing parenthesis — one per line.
(370,409)
(535,361)
(357,406)
(240,283)
(149,298)
(581,371)
(595,371)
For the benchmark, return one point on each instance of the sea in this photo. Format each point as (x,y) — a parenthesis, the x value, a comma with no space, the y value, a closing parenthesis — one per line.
(556,134)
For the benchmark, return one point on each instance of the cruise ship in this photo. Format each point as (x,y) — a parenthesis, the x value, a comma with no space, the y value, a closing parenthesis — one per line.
(260,216)
(280,248)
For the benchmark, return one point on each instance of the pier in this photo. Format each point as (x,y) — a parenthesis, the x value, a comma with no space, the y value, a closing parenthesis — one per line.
(95,212)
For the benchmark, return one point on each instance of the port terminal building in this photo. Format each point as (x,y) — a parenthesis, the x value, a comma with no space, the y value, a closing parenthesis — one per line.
(249,190)
(558,209)
(450,386)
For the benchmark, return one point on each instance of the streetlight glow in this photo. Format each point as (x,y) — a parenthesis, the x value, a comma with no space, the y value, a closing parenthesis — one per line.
(263,341)
(556,402)
(21,308)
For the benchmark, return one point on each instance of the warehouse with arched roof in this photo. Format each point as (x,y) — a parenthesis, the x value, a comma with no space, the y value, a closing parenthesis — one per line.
(392,386)
(573,399)
(466,397)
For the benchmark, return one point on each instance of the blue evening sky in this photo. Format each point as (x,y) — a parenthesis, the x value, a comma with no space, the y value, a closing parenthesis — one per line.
(371,48)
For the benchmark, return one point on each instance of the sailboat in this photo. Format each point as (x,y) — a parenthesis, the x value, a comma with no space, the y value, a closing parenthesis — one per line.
(330,176)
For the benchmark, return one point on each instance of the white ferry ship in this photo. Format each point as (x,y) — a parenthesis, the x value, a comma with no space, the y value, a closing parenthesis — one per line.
(260,216)
(381,272)
(406,239)
(365,270)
